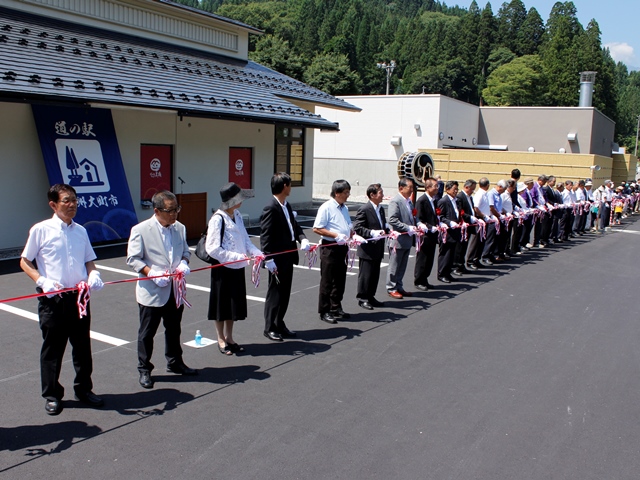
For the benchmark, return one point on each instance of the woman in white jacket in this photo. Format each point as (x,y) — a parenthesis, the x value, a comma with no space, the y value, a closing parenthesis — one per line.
(228,243)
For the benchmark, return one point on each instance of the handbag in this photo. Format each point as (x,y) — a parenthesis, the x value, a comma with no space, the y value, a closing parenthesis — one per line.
(201,250)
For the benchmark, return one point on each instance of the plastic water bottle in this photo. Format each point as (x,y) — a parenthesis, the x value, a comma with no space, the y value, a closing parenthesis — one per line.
(198,338)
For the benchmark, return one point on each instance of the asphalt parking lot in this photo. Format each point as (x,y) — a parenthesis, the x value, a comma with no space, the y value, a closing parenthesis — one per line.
(526,370)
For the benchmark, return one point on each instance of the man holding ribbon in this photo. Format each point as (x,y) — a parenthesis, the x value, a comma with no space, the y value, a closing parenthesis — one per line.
(402,220)
(334,226)
(64,258)
(370,223)
(428,222)
(279,232)
(158,249)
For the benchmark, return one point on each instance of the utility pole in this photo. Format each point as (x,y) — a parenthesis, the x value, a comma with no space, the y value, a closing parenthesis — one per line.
(389,68)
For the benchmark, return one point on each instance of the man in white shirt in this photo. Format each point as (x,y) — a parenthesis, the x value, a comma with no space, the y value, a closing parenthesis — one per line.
(483,212)
(63,253)
(334,226)
(605,204)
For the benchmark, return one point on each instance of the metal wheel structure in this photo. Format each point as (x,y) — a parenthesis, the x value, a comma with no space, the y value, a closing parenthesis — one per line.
(418,166)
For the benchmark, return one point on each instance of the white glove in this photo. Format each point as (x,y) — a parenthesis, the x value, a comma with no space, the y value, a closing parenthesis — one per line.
(453,225)
(48,285)
(486,219)
(424,228)
(295,214)
(502,217)
(183,267)
(305,245)
(162,280)
(434,229)
(377,233)
(443,225)
(94,281)
(359,239)
(271,265)
(473,219)
(341,239)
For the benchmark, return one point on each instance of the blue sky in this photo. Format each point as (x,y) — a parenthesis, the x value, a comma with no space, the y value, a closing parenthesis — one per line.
(617,19)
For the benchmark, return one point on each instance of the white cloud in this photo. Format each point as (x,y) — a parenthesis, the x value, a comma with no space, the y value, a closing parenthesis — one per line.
(622,52)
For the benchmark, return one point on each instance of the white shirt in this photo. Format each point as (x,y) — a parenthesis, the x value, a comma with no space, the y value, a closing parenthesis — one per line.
(236,244)
(286,214)
(60,251)
(580,196)
(167,238)
(481,202)
(507,204)
(568,197)
(377,208)
(331,216)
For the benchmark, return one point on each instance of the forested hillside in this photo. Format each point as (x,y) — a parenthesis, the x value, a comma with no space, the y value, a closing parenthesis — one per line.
(509,57)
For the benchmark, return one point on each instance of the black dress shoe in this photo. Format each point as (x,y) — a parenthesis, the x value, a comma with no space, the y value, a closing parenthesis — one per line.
(444,279)
(90,398)
(182,370)
(486,263)
(366,305)
(145,380)
(53,407)
(472,266)
(340,313)
(286,333)
(423,288)
(457,272)
(404,293)
(376,303)
(276,337)
(327,317)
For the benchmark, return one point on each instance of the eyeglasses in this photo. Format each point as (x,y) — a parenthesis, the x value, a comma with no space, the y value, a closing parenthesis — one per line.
(67,201)
(172,211)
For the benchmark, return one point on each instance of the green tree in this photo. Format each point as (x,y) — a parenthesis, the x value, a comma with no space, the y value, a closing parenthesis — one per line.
(511,16)
(500,56)
(530,35)
(517,83)
(274,52)
(559,55)
(331,73)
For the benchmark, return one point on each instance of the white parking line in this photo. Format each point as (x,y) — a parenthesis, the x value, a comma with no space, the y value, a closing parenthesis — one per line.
(189,285)
(34,316)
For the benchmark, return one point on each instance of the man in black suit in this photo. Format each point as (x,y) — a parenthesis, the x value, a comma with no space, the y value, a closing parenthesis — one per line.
(450,216)
(279,232)
(466,207)
(428,220)
(370,223)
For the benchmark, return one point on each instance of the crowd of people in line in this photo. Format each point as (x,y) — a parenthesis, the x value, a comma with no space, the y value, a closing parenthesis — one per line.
(475,226)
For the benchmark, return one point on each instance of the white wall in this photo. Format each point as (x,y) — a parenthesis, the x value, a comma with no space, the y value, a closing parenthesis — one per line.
(362,152)
(24,179)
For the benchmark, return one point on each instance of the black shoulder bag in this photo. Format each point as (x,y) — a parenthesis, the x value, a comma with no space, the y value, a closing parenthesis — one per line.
(201,251)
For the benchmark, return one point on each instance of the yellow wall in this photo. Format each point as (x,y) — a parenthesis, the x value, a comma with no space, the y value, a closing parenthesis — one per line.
(452,164)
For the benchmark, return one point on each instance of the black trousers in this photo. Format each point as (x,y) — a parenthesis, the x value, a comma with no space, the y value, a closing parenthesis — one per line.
(60,322)
(333,276)
(150,317)
(490,242)
(516,233)
(527,226)
(277,301)
(445,258)
(502,240)
(425,259)
(368,278)
(474,248)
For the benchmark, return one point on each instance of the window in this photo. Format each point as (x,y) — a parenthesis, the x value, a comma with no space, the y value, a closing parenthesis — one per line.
(290,153)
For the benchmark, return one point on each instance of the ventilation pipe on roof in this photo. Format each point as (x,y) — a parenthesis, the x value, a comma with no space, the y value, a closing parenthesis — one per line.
(586,88)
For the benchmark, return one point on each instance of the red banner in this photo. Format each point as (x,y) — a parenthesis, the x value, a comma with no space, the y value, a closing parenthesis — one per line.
(155,169)
(240,166)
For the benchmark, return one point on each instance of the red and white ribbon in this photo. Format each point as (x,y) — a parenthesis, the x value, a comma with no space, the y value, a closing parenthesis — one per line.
(312,255)
(180,289)
(258,260)
(84,294)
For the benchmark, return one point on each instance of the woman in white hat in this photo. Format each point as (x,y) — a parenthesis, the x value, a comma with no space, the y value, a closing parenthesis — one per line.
(228,243)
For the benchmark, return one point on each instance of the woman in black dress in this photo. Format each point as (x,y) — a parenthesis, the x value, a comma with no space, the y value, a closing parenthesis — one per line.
(228,243)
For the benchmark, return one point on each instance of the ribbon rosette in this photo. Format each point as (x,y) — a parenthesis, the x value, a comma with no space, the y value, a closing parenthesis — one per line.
(84,294)
(312,255)
(258,260)
(180,289)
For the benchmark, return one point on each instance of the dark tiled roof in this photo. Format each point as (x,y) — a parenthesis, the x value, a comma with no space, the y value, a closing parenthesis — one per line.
(42,58)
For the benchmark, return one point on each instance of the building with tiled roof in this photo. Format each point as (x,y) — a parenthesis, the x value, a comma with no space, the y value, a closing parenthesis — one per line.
(171,77)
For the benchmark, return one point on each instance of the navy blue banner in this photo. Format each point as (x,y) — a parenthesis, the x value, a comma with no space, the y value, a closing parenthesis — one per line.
(80,148)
